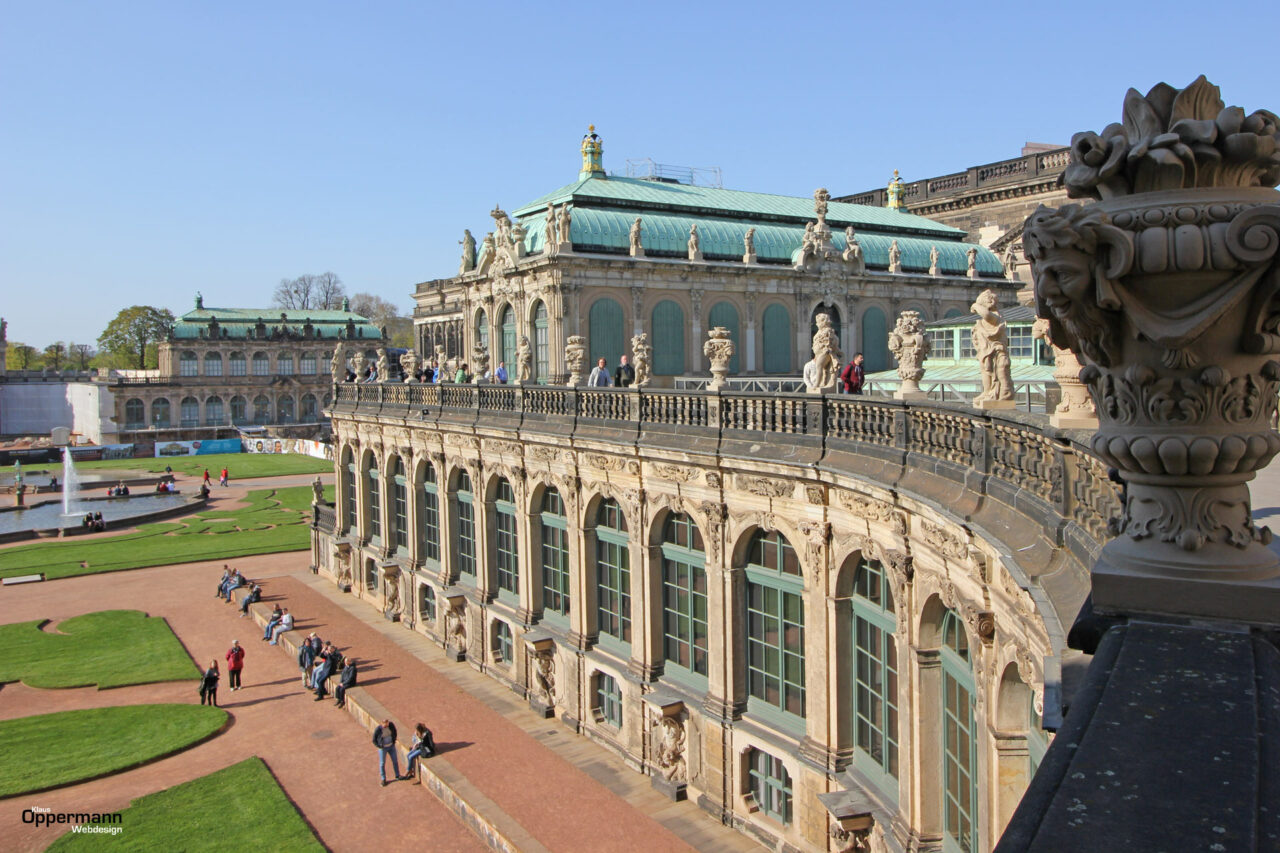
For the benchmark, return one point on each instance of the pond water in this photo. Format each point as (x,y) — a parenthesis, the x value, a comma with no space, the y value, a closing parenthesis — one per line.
(88,479)
(48,516)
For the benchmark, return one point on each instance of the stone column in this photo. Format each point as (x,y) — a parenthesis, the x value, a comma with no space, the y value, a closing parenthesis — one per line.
(1165,291)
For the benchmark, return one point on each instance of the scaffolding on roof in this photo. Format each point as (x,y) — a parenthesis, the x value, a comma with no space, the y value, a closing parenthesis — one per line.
(699,176)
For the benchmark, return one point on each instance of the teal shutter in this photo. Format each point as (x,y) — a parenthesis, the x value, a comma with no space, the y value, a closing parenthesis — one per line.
(724,314)
(875,340)
(668,339)
(604,332)
(508,353)
(541,345)
(777,339)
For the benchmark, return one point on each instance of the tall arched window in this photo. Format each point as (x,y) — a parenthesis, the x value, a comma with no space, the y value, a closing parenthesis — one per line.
(875,675)
(188,364)
(684,595)
(428,515)
(613,572)
(284,409)
(261,409)
(160,412)
(508,353)
(373,499)
(959,742)
(604,331)
(482,328)
(507,545)
(261,364)
(775,623)
(307,363)
(349,490)
(213,364)
(237,364)
(399,504)
(541,344)
(135,414)
(875,340)
(284,364)
(213,414)
(239,410)
(465,512)
(310,409)
(668,338)
(189,412)
(555,556)
(725,314)
(778,339)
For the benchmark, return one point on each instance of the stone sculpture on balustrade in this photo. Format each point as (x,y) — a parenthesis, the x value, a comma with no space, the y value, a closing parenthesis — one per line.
(357,364)
(1165,289)
(822,371)
(524,361)
(971,262)
(1076,409)
(479,362)
(641,359)
(575,358)
(409,365)
(719,350)
(853,251)
(338,364)
(383,365)
(910,347)
(991,346)
(468,252)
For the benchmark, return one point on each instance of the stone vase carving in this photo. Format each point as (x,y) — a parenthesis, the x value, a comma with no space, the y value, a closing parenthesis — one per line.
(479,363)
(910,347)
(1166,290)
(822,371)
(575,358)
(357,365)
(641,360)
(719,350)
(409,364)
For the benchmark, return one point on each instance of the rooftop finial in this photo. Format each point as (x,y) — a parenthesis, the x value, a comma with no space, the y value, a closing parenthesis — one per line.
(592,155)
(346,303)
(895,192)
(199,301)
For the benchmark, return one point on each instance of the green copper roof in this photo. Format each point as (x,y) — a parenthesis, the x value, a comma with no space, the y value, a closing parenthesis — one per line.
(645,195)
(244,323)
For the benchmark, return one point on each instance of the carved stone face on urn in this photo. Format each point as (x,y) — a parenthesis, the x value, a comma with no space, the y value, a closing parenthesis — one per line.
(1166,289)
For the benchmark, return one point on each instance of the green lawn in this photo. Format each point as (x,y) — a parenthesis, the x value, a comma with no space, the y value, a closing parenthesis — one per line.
(110,648)
(48,750)
(239,808)
(275,520)
(240,466)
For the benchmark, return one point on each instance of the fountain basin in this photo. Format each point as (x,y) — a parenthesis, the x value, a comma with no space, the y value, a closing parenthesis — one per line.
(47,520)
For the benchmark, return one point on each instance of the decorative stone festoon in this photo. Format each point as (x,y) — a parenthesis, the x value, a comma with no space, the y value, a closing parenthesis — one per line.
(575,358)
(719,350)
(910,347)
(1166,291)
(991,346)
(641,359)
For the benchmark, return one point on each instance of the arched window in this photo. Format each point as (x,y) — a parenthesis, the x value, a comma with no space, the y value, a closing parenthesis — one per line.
(607,700)
(135,414)
(427,603)
(310,409)
(959,742)
(261,364)
(875,672)
(373,499)
(725,314)
(307,364)
(284,409)
(508,353)
(613,572)
(770,785)
(399,504)
(188,364)
(555,556)
(349,480)
(507,544)
(284,364)
(213,364)
(482,328)
(213,411)
(541,344)
(261,409)
(502,646)
(684,595)
(189,412)
(237,364)
(875,340)
(428,516)
(775,624)
(465,511)
(668,338)
(778,339)
(604,332)
(160,412)
(239,410)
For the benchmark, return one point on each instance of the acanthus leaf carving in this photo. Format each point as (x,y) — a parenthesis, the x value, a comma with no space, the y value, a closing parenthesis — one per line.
(764,486)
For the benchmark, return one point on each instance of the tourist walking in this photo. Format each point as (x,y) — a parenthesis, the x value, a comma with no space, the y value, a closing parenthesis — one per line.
(206,476)
(600,375)
(347,680)
(209,685)
(235,663)
(624,375)
(384,738)
(225,478)
(853,375)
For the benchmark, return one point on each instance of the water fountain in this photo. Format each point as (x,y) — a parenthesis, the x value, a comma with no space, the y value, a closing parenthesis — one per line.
(70,482)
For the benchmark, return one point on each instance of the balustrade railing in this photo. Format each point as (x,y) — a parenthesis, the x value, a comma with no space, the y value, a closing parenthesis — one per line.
(674,408)
(763,413)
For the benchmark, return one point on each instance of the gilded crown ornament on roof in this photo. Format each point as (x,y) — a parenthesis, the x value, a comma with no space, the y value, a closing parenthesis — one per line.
(894,192)
(592,154)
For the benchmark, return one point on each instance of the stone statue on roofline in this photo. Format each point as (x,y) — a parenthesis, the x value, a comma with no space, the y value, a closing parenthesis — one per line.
(894,192)
(895,257)
(822,371)
(564,228)
(749,246)
(468,252)
(550,239)
(695,247)
(338,363)
(820,199)
(637,249)
(933,260)
(641,356)
(910,347)
(972,257)
(991,346)
(852,251)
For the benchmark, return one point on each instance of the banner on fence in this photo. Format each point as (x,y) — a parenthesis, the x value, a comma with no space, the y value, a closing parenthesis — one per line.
(197,448)
(273,444)
(90,452)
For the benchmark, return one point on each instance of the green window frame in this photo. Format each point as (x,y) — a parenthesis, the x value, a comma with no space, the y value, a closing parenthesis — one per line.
(466,545)
(371,576)
(779,340)
(555,556)
(373,496)
(400,504)
(604,332)
(770,785)
(613,573)
(508,338)
(875,676)
(541,344)
(502,645)
(684,595)
(668,338)
(349,494)
(507,540)
(608,700)
(959,740)
(429,516)
(775,625)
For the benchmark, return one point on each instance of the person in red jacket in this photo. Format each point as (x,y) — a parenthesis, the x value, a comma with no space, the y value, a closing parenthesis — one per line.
(853,375)
(235,663)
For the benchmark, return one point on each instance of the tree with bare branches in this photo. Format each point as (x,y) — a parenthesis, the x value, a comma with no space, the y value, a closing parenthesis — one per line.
(310,292)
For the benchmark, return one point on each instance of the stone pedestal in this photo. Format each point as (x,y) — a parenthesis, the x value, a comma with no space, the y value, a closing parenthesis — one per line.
(541,708)
(912,393)
(564,248)
(993,405)
(674,791)
(749,258)
(695,255)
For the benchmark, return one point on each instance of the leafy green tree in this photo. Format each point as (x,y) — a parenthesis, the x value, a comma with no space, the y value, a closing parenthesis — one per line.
(135,333)
(55,355)
(20,356)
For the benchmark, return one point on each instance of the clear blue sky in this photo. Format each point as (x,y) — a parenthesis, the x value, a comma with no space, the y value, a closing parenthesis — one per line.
(150,150)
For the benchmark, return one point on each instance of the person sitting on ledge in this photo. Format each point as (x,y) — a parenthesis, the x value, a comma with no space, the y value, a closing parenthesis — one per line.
(204,491)
(99,524)
(326,662)
(423,746)
(88,521)
(286,624)
(348,679)
(254,596)
(272,622)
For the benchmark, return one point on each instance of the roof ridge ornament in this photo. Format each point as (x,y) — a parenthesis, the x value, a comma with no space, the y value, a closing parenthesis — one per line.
(592,155)
(894,192)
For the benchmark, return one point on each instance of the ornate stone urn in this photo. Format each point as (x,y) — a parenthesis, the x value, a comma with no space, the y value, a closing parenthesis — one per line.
(1166,290)
(575,357)
(719,350)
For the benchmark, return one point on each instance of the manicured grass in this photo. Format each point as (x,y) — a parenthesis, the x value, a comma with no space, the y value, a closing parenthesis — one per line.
(48,750)
(110,648)
(241,807)
(275,520)
(241,466)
